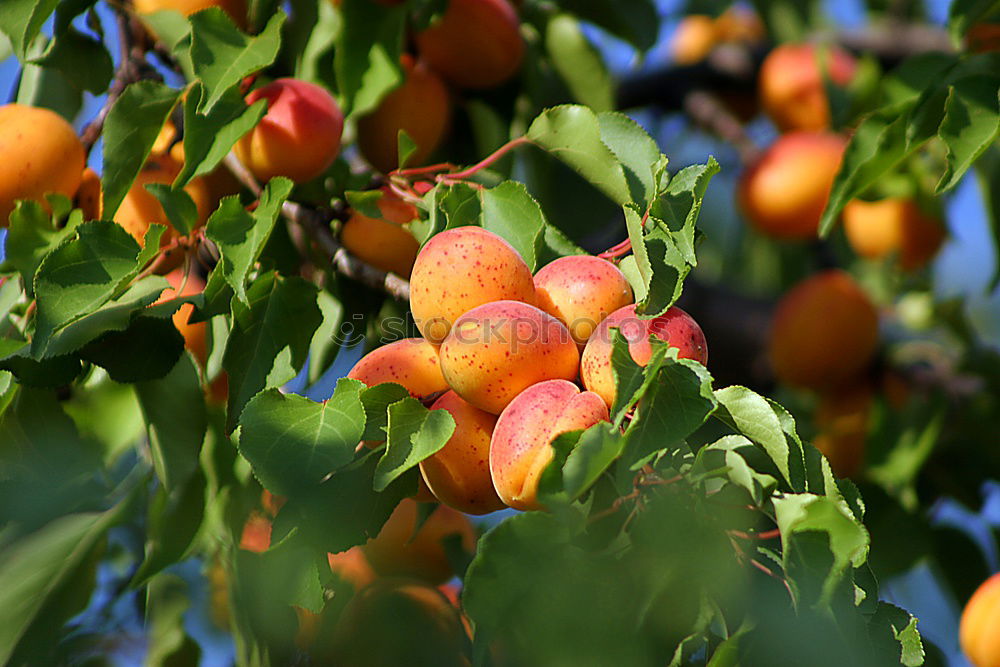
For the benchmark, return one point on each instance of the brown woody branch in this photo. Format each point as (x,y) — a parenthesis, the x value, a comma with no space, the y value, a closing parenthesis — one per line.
(316,226)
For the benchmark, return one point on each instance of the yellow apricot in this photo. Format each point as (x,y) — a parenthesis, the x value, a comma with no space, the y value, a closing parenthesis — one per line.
(41,154)
(411,362)
(977,630)
(237,9)
(895,225)
(194,332)
(88,195)
(460,269)
(694,38)
(791,84)
(383,242)
(459,474)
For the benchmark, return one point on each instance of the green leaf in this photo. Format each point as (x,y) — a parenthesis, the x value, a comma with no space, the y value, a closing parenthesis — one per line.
(742,463)
(208,137)
(366,59)
(15,356)
(131,128)
(82,60)
(635,22)
(81,275)
(269,339)
(809,514)
(578,63)
(630,377)
(894,634)
(414,433)
(175,515)
(376,401)
(963,14)
(971,125)
(241,236)
(293,443)
(32,234)
(167,601)
(660,263)
(222,55)
(146,350)
(572,133)
(177,204)
(988,172)
(33,568)
(580,458)
(48,88)
(680,205)
(174,443)
(509,211)
(753,416)
(21,20)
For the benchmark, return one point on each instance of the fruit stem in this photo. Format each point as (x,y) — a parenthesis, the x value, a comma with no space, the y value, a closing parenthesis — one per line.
(485,162)
(420,171)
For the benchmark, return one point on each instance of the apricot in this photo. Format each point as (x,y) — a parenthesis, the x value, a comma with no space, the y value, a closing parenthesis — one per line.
(399,622)
(977,629)
(784,193)
(141,208)
(580,291)
(674,327)
(298,137)
(824,332)
(383,242)
(497,350)
(895,225)
(983,38)
(791,84)
(740,24)
(411,362)
(474,44)
(420,106)
(459,474)
(352,567)
(88,195)
(694,38)
(460,269)
(842,424)
(220,181)
(271,503)
(41,154)
(236,9)
(398,551)
(194,332)
(521,445)
(256,535)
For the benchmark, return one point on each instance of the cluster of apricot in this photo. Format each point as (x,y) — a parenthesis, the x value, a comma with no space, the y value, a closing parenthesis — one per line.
(501,351)
(697,35)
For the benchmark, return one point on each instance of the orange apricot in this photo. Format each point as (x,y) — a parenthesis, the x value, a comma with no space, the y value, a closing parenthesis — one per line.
(459,473)
(842,423)
(693,39)
(895,225)
(521,445)
(256,535)
(474,44)
(497,350)
(41,154)
(791,84)
(383,242)
(580,291)
(977,630)
(460,269)
(398,551)
(411,362)
(675,327)
(88,195)
(298,137)
(824,332)
(784,193)
(740,24)
(352,567)
(420,106)
(194,332)
(237,9)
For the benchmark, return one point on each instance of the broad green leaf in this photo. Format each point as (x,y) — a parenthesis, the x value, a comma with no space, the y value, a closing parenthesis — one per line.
(48,88)
(895,636)
(376,401)
(174,443)
(806,513)
(579,63)
(738,457)
(366,60)
(572,134)
(177,204)
(222,55)
(241,236)
(636,150)
(660,263)
(31,235)
(556,244)
(269,339)
(80,276)
(509,211)
(293,443)
(82,60)
(414,433)
(175,515)
(129,132)
(461,206)
(107,413)
(630,377)
(34,567)
(325,344)
(21,20)
(287,574)
(971,124)
(167,601)
(146,350)
(579,459)
(15,356)
(208,137)
(680,205)
(635,22)
(751,414)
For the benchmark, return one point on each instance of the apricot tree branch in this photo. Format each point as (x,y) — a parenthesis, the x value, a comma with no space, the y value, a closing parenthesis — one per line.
(317,226)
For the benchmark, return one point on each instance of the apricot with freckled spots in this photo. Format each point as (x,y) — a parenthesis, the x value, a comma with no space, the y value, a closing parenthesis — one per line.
(580,291)
(459,474)
(411,362)
(497,350)
(460,269)
(675,327)
(520,449)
